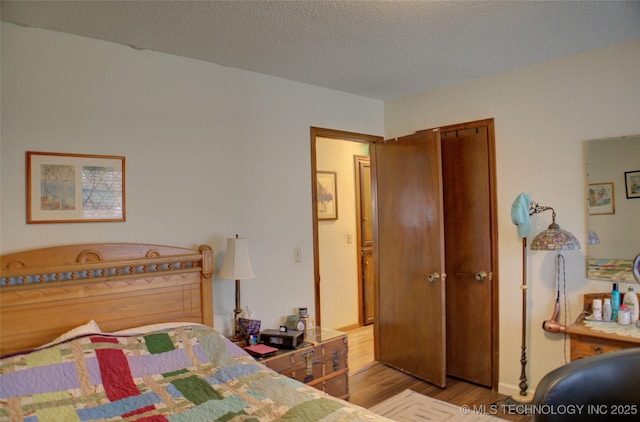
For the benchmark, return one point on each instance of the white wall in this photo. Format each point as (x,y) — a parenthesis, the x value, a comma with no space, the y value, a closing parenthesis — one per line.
(543,114)
(338,258)
(211,152)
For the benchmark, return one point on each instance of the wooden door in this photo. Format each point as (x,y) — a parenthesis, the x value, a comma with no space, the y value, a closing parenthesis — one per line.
(368,289)
(365,239)
(467,153)
(409,250)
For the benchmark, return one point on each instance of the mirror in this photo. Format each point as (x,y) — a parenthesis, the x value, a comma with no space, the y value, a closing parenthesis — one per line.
(613,205)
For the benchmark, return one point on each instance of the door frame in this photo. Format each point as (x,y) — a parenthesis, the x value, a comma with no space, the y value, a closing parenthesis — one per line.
(316,132)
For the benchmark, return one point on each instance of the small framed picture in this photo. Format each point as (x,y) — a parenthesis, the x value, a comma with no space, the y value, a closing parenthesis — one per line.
(632,183)
(327,195)
(75,188)
(601,199)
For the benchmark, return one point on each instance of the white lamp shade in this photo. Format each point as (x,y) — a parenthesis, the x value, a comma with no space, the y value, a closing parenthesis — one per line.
(236,264)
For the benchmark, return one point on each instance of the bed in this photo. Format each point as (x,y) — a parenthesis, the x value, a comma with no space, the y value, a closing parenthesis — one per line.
(122,331)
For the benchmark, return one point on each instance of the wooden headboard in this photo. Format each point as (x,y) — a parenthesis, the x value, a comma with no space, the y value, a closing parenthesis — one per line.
(46,292)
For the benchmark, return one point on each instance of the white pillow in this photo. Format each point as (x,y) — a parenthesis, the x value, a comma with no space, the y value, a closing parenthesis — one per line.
(90,327)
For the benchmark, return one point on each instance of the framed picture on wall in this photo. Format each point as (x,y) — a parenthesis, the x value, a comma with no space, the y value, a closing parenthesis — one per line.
(601,199)
(327,195)
(632,183)
(75,188)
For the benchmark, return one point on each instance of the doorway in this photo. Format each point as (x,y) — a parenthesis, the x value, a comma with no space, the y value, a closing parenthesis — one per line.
(337,242)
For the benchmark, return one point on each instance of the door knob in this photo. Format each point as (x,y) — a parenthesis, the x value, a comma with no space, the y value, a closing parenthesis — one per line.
(481,276)
(433,277)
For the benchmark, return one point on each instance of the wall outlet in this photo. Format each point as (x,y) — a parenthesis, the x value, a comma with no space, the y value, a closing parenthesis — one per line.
(297,254)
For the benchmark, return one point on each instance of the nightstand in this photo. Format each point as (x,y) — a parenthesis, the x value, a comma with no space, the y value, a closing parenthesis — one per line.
(321,362)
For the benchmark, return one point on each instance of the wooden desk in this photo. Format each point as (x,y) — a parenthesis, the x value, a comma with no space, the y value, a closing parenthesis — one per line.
(587,342)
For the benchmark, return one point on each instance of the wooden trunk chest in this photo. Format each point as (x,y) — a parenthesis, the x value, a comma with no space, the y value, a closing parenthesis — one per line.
(322,362)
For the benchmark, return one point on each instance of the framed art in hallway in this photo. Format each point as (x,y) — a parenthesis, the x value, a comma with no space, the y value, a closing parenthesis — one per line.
(326,183)
(632,183)
(601,199)
(75,188)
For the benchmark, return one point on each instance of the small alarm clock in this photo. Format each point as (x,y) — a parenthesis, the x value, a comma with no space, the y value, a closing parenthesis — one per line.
(301,324)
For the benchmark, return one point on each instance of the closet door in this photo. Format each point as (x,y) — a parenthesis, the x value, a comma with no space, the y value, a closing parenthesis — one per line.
(468,191)
(409,254)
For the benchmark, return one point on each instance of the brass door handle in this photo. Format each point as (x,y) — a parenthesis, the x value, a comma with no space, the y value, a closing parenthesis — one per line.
(481,276)
(433,277)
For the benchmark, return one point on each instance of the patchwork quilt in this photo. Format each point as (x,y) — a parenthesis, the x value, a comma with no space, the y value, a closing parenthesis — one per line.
(183,374)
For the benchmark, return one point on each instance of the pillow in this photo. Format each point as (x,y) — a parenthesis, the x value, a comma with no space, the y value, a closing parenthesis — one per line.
(144,329)
(90,327)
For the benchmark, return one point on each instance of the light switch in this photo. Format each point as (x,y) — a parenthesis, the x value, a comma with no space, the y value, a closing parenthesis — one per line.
(349,237)
(297,254)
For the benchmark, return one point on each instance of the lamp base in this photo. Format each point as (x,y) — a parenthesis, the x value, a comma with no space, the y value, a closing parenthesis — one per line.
(519,405)
(238,340)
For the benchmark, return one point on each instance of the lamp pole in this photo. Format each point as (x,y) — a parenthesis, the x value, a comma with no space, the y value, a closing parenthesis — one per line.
(237,311)
(524,386)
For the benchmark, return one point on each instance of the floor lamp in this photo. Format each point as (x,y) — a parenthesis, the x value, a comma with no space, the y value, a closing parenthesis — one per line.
(237,266)
(553,238)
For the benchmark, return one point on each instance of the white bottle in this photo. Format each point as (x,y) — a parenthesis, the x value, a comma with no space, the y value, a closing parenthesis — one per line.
(606,310)
(631,300)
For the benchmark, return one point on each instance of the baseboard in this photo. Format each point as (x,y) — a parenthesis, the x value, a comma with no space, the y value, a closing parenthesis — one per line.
(348,327)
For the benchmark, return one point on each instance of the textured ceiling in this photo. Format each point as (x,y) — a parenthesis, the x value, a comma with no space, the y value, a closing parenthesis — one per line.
(377,49)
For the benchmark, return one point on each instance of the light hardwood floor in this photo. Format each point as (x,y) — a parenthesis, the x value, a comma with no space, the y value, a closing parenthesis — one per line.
(371,382)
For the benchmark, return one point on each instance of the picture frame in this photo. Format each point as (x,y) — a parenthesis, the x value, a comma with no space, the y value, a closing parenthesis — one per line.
(75,188)
(601,198)
(632,183)
(327,195)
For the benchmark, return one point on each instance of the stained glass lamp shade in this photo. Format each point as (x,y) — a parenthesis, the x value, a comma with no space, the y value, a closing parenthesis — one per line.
(593,238)
(554,238)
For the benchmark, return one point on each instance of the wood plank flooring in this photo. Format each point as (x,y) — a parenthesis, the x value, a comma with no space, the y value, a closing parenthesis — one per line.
(371,382)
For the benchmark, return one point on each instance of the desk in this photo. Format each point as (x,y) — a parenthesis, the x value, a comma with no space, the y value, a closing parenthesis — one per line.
(587,341)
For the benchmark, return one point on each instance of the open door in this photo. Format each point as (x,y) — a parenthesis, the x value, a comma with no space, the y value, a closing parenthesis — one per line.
(409,252)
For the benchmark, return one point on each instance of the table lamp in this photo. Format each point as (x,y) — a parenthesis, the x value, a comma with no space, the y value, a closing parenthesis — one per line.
(237,266)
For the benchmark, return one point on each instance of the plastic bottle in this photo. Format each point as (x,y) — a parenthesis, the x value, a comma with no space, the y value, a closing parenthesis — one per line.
(631,300)
(624,317)
(606,309)
(615,302)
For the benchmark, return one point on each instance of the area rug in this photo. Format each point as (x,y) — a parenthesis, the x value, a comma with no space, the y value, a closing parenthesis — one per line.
(410,406)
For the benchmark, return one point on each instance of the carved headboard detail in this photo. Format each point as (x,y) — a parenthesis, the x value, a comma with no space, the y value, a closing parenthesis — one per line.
(45,292)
